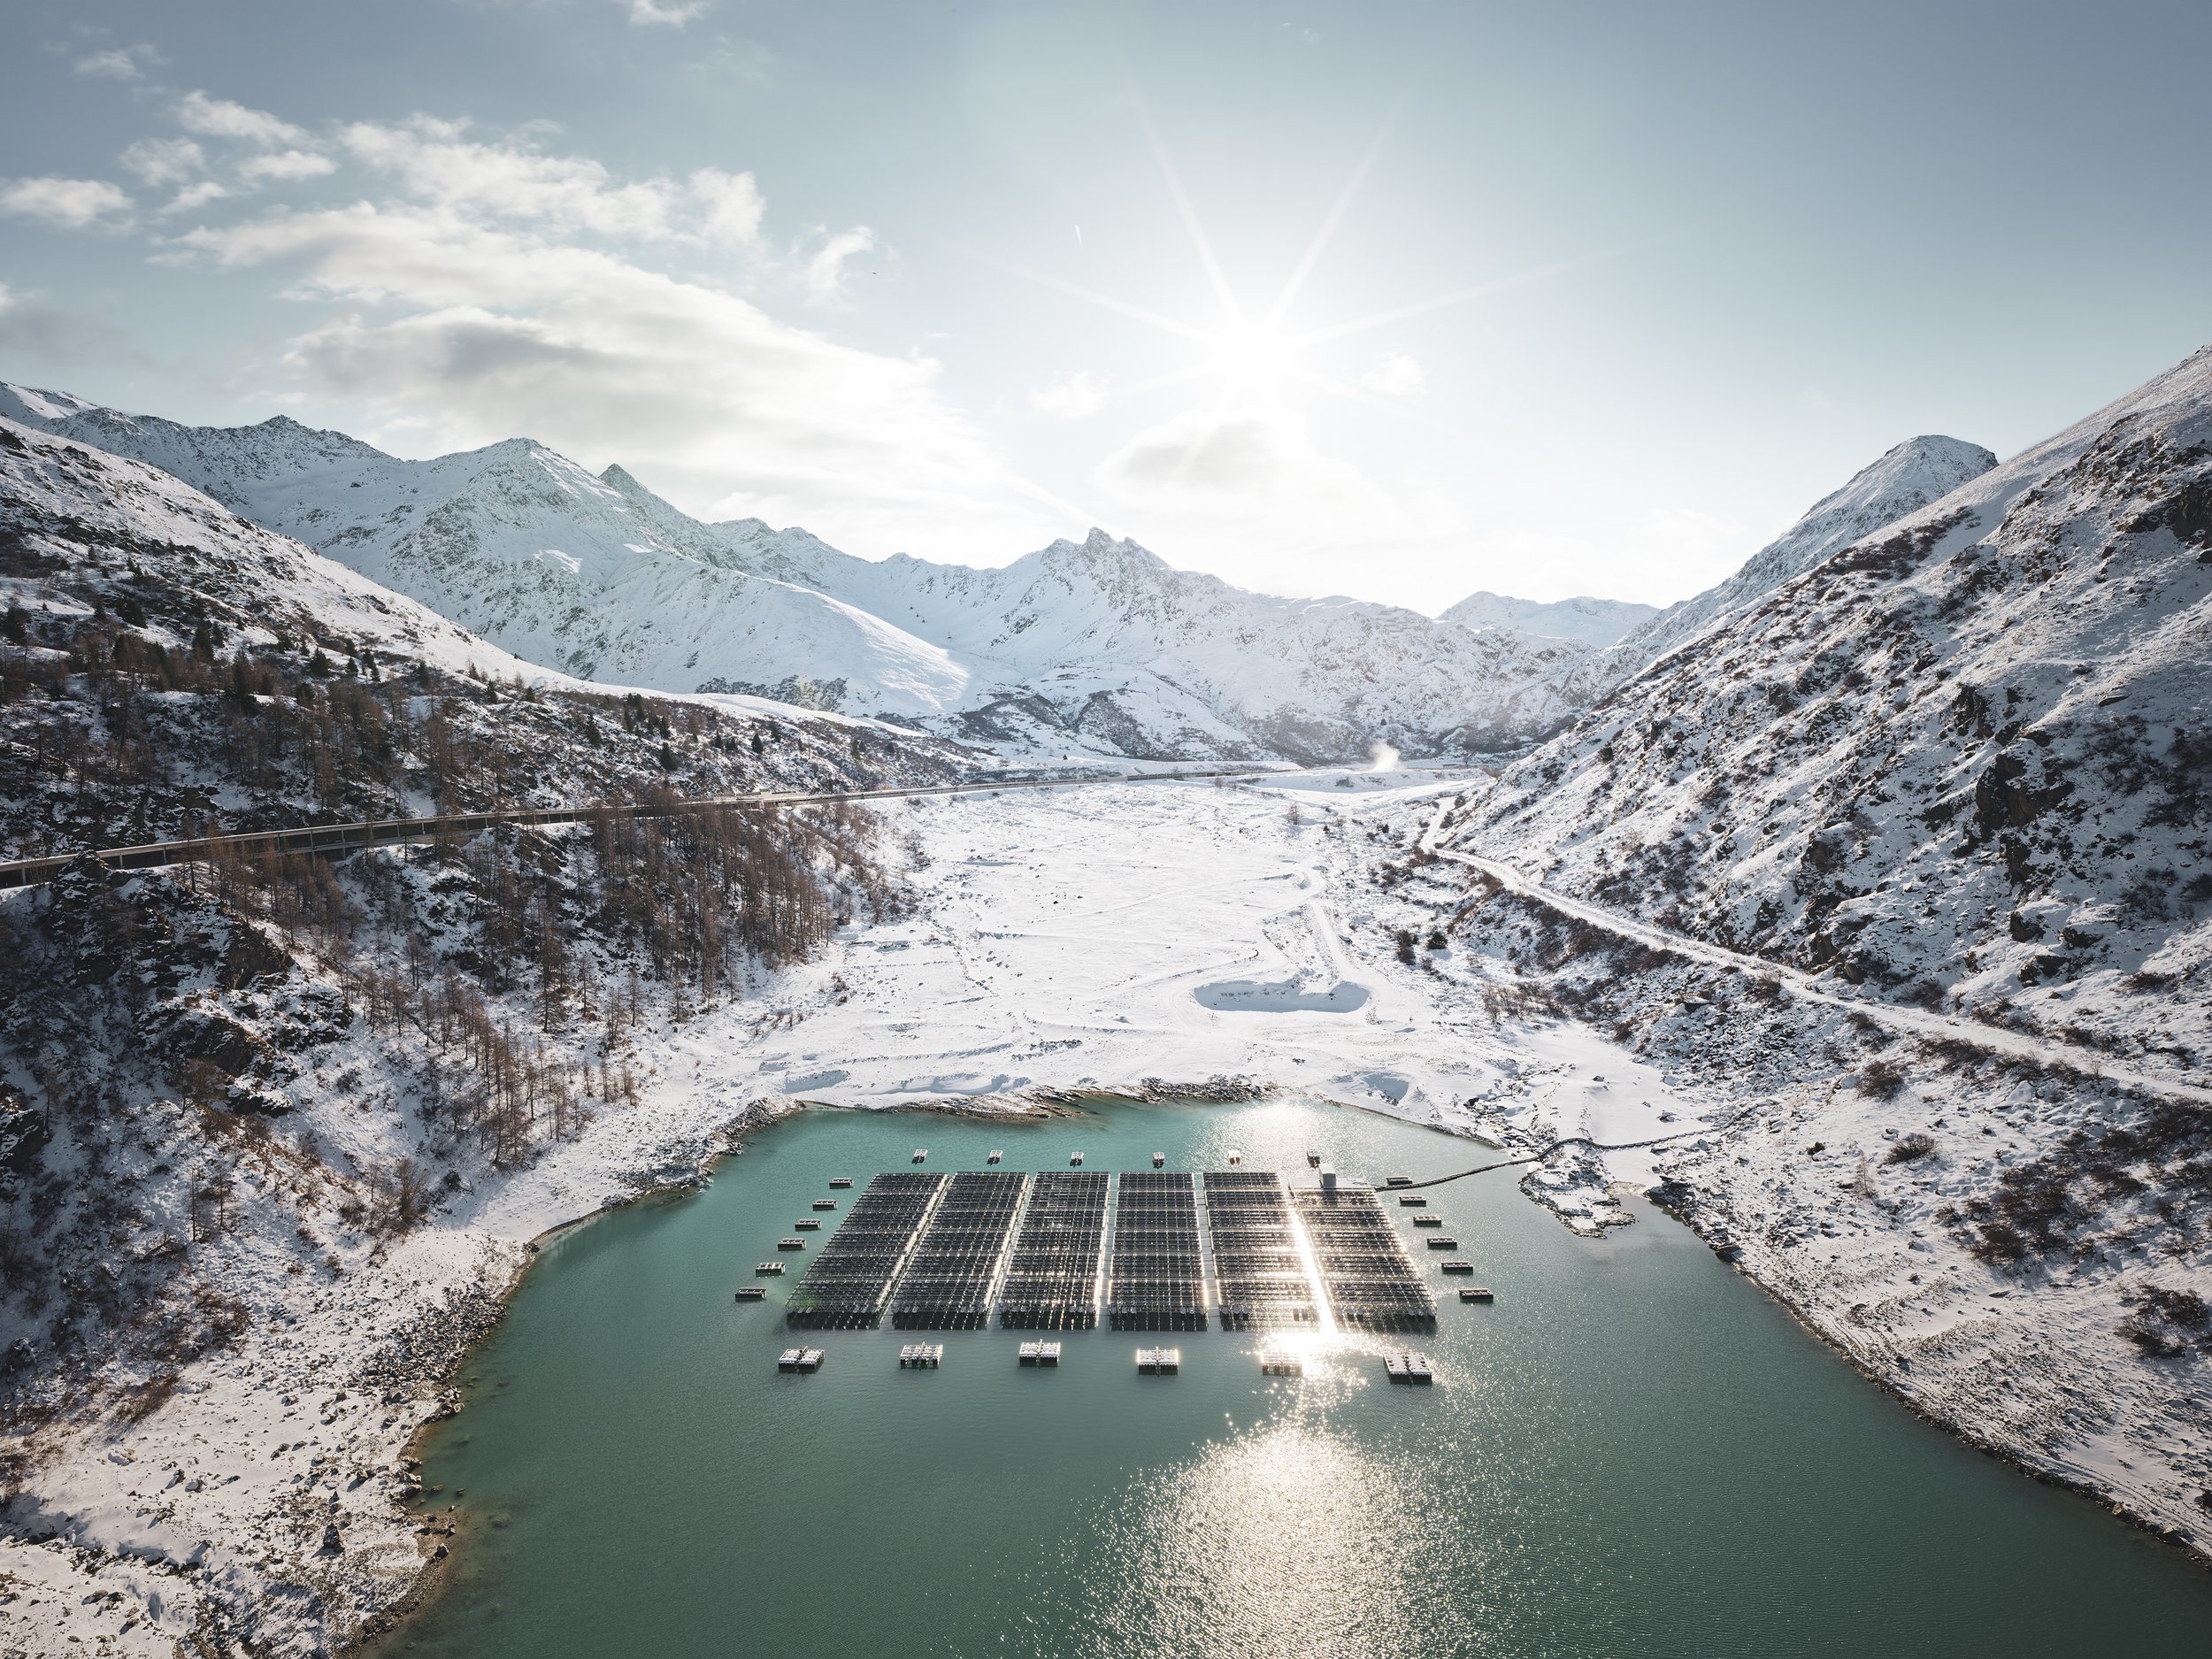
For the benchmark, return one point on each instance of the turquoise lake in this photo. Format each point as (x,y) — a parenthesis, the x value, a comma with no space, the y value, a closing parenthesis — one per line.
(1632,1451)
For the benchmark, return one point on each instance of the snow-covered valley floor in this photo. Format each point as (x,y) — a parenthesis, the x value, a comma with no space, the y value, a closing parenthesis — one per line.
(1165,937)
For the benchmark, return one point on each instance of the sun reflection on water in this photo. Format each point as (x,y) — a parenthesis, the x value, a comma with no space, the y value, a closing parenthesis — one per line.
(1289,1540)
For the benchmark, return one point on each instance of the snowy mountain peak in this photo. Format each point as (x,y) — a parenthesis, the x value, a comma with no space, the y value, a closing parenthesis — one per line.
(1899,483)
(1920,470)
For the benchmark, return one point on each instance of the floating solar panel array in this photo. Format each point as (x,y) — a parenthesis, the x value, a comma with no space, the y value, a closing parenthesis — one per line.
(1370,1280)
(1158,1281)
(1258,1269)
(950,1279)
(1052,1276)
(851,1280)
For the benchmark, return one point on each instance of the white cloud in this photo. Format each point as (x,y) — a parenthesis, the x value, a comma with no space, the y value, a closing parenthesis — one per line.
(1074,398)
(457,332)
(197,196)
(73,203)
(33,325)
(734,205)
(1246,491)
(663,13)
(220,117)
(287,163)
(1255,453)
(160,161)
(825,271)
(435,164)
(121,63)
(1394,374)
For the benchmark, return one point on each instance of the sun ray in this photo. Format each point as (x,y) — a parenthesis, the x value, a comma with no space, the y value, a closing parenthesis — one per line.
(1334,218)
(1183,205)
(1444,301)
(1352,394)
(1183,330)
(1173,377)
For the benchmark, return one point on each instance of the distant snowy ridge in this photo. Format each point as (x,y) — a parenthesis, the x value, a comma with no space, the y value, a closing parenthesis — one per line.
(1585,620)
(1095,647)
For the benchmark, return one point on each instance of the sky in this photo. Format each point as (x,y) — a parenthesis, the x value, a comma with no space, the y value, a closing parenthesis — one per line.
(1398,300)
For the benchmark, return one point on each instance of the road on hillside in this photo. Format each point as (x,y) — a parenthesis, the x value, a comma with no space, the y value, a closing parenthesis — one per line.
(337,838)
(1910,1021)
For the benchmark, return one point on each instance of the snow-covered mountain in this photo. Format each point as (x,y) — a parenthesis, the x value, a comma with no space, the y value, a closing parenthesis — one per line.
(1585,620)
(1096,646)
(1963,767)
(596,577)
(1104,639)
(1903,481)
(1965,756)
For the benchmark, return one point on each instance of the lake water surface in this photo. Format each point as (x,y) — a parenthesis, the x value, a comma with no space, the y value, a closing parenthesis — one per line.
(1633,1451)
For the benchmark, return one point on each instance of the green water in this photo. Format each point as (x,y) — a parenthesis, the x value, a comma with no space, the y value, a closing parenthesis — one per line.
(1631,1452)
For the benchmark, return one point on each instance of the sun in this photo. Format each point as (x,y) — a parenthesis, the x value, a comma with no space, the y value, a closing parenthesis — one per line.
(1249,358)
(1253,355)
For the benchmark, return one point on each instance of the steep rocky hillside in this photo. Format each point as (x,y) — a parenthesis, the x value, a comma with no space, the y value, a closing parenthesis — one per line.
(1966,761)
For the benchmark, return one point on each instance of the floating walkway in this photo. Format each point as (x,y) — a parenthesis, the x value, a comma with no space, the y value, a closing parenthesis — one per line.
(851,1280)
(951,1279)
(1370,1280)
(1158,1278)
(1408,1368)
(1262,1278)
(1052,1273)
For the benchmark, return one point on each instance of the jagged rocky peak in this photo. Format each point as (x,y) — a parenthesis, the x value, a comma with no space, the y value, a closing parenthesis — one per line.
(1101,548)
(1904,479)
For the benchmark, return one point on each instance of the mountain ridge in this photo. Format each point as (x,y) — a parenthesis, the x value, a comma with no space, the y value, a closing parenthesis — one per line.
(1096,646)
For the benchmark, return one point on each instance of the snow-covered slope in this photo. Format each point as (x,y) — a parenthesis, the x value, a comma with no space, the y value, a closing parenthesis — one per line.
(1903,481)
(593,576)
(1585,620)
(1096,646)
(289,591)
(1965,756)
